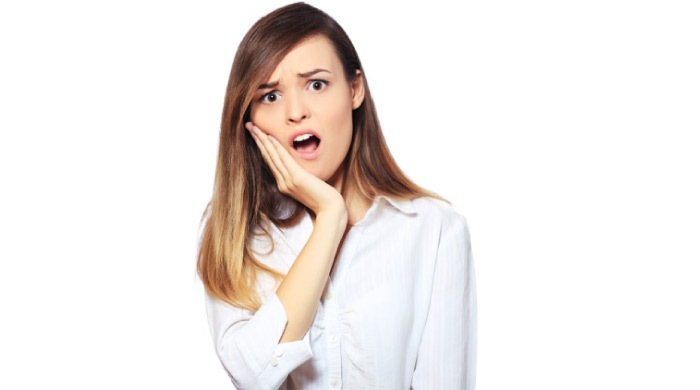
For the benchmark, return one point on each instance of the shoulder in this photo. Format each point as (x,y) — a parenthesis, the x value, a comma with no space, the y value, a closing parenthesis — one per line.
(450,227)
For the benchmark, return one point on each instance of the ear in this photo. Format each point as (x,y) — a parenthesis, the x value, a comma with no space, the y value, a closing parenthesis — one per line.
(357,88)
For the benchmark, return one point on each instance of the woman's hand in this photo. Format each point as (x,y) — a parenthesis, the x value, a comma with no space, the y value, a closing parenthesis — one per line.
(295,181)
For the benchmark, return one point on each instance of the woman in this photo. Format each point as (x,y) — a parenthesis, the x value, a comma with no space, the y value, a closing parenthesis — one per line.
(324,264)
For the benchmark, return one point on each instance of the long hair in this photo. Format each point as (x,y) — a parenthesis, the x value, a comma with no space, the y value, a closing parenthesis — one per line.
(246,198)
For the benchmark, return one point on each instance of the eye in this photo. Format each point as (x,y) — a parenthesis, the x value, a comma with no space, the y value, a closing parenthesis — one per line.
(269,97)
(318,85)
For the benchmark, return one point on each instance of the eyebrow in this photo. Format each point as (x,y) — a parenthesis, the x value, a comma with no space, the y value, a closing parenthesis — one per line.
(304,75)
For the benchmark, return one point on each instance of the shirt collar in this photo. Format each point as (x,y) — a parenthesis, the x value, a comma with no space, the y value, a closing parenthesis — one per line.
(403,205)
(381,201)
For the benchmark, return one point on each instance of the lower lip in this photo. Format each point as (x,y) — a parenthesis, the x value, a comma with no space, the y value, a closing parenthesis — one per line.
(309,155)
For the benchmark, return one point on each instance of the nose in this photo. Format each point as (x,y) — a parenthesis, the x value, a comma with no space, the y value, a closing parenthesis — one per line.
(296,108)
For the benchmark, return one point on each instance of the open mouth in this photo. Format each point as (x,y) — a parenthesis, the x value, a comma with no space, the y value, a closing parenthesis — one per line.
(306,143)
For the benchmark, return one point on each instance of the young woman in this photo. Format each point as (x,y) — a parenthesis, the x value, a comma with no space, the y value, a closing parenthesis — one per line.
(324,265)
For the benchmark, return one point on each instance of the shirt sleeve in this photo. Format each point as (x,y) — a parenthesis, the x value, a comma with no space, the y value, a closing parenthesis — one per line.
(248,343)
(447,353)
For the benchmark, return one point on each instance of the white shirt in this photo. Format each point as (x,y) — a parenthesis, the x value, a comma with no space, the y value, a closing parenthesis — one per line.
(398,311)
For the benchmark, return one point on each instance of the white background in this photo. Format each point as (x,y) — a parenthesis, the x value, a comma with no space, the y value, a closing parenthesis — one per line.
(566,133)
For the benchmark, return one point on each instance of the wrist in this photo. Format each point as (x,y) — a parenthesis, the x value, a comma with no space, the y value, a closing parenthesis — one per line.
(333,217)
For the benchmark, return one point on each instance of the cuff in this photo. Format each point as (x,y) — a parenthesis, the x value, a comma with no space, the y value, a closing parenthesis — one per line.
(271,359)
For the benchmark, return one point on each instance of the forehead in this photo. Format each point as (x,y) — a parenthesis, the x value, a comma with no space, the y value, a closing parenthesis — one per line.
(312,53)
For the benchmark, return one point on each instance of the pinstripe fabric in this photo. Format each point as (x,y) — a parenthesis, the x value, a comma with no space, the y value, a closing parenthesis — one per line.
(398,312)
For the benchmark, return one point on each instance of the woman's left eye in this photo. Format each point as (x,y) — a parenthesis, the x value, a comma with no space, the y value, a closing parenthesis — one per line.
(317,85)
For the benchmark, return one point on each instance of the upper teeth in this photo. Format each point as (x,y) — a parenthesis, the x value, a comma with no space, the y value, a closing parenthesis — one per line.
(303,137)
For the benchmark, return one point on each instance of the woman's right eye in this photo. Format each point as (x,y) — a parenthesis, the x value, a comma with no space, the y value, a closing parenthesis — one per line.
(269,97)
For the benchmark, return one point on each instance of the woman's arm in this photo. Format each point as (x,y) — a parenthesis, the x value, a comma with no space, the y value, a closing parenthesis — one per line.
(447,354)
(301,289)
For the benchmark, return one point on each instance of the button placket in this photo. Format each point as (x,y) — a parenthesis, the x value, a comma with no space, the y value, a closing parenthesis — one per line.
(332,332)
(332,308)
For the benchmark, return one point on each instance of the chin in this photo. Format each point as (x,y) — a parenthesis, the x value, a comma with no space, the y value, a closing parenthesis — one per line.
(325,176)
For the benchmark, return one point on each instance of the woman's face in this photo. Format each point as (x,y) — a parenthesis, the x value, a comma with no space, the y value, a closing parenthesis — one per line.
(307,105)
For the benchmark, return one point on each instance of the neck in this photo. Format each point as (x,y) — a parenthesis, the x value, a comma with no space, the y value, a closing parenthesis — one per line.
(356,204)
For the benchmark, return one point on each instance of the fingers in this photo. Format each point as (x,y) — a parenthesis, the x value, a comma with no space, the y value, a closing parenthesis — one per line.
(255,133)
(272,152)
(285,158)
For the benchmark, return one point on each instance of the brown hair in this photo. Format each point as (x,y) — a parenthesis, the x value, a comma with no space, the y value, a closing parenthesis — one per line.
(246,197)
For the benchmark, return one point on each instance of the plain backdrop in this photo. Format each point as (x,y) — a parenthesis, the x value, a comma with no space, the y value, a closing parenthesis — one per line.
(565,131)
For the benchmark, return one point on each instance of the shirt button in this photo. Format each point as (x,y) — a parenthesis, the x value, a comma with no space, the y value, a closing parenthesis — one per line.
(279,352)
(274,362)
(333,338)
(335,383)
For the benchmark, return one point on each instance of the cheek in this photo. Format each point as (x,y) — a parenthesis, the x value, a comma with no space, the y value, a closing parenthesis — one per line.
(259,116)
(264,119)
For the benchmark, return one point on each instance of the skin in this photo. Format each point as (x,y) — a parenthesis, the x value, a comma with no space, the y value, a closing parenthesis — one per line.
(294,99)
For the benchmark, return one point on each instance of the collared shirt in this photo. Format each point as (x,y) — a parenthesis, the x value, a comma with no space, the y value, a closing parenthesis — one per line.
(398,310)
